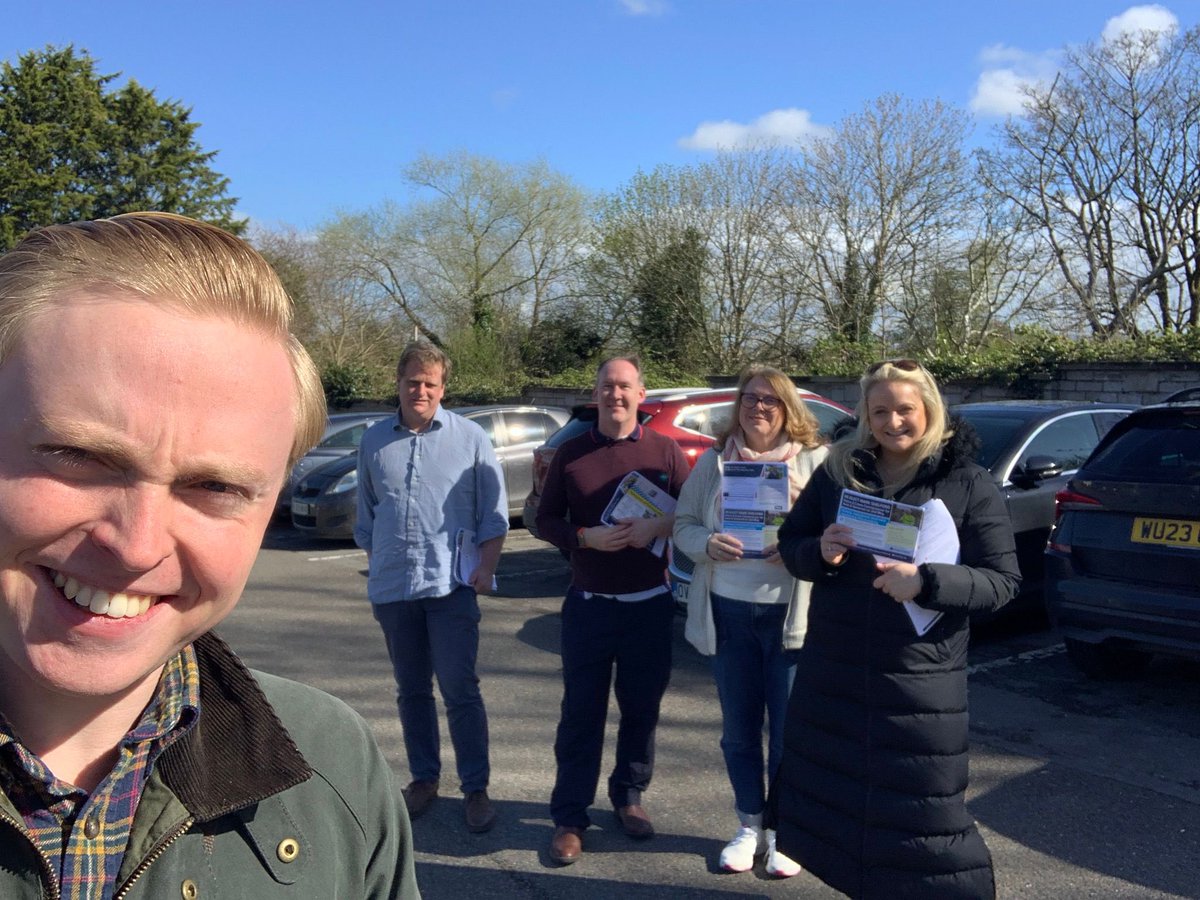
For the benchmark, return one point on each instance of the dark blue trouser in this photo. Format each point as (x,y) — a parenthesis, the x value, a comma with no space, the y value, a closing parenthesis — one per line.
(438,636)
(754,677)
(599,633)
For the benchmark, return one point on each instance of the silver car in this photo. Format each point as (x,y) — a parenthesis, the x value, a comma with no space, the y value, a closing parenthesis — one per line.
(324,500)
(343,432)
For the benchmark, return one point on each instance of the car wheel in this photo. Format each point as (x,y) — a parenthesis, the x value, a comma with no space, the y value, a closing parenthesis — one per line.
(1106,660)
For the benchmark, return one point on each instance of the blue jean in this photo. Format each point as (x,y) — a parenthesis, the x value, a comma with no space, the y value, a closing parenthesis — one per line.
(438,635)
(754,677)
(599,633)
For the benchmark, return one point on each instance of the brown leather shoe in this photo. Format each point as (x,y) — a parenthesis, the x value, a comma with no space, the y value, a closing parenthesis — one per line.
(419,796)
(635,822)
(567,844)
(479,812)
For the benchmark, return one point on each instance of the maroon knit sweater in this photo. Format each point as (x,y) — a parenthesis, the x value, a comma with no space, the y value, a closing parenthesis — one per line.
(582,478)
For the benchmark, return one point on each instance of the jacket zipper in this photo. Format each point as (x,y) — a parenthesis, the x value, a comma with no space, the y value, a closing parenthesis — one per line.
(154,855)
(48,875)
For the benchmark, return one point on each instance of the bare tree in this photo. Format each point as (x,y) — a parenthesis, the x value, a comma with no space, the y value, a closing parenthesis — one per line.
(483,246)
(869,205)
(1106,160)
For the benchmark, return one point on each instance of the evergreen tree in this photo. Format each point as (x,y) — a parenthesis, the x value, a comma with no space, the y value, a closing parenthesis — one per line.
(72,148)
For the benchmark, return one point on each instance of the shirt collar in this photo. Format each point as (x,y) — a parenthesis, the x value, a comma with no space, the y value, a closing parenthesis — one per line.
(604,440)
(438,421)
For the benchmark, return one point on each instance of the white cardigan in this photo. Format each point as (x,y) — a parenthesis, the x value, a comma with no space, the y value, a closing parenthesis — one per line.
(696,519)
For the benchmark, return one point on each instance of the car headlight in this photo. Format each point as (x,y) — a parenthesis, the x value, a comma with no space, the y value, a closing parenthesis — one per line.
(347,482)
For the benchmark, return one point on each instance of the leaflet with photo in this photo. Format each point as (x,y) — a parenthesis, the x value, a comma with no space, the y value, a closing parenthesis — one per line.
(637,497)
(754,503)
(884,527)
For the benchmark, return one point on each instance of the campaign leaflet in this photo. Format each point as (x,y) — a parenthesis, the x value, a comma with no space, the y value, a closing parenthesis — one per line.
(754,503)
(637,497)
(884,527)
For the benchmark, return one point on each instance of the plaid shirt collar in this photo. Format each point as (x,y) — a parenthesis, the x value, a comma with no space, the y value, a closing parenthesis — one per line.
(84,836)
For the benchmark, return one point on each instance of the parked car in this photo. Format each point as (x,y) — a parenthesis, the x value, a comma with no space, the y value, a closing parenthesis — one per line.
(324,501)
(1032,447)
(1123,560)
(692,416)
(343,432)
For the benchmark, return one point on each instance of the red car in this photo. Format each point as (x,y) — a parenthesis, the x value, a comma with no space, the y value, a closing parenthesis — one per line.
(692,416)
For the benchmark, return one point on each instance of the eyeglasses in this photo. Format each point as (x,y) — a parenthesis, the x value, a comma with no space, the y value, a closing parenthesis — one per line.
(904,365)
(749,401)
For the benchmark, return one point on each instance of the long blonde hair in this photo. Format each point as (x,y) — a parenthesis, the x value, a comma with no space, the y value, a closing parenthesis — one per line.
(799,425)
(841,463)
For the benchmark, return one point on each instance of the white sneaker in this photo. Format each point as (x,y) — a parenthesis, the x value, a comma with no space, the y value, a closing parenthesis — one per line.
(738,855)
(777,864)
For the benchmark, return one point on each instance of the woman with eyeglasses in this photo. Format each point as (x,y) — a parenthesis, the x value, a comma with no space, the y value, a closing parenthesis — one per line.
(870,793)
(743,606)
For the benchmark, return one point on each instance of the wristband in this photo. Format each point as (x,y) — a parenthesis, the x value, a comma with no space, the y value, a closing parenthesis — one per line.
(579,537)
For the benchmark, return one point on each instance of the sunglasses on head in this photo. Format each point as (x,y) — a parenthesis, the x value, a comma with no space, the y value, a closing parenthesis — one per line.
(904,365)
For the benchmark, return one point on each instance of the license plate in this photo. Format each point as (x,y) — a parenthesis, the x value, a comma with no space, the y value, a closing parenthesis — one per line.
(301,509)
(1166,532)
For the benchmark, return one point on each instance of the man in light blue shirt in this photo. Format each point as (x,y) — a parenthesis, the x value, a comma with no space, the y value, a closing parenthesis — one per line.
(425,478)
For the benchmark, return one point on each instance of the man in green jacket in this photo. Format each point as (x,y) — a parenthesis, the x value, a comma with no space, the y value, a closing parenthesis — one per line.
(153,402)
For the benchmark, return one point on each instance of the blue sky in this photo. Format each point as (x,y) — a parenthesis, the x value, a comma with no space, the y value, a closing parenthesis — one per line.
(317,107)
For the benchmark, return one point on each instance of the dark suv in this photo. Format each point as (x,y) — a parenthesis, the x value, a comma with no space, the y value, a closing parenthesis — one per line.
(1123,561)
(692,416)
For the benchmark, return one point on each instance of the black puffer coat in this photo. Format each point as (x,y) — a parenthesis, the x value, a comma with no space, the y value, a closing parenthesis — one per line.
(869,796)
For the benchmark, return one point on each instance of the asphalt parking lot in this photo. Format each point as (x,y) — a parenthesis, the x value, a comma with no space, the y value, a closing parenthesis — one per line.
(1082,789)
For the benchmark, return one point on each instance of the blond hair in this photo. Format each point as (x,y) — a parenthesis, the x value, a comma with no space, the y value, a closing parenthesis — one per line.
(799,424)
(166,259)
(426,355)
(841,463)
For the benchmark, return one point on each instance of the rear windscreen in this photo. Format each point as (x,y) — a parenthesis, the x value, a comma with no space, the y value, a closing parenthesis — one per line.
(1162,448)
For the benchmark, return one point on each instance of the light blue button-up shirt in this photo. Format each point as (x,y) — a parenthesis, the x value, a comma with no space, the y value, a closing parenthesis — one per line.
(416,490)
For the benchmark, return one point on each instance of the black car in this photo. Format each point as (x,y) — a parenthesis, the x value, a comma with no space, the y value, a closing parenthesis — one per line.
(1123,561)
(1032,447)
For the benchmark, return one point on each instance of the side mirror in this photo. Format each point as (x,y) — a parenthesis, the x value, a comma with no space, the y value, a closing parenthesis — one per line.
(1035,470)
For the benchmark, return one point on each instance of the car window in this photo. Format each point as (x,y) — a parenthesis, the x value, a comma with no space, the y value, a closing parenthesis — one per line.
(347,437)
(527,427)
(1069,441)
(1159,449)
(488,424)
(827,416)
(710,420)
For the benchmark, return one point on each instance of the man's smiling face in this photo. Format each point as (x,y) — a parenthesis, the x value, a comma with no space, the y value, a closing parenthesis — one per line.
(619,390)
(138,469)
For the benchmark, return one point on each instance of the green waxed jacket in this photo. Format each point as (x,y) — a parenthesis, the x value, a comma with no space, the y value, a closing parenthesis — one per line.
(279,791)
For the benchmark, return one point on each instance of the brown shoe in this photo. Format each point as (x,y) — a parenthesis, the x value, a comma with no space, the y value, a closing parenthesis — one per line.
(567,844)
(635,822)
(419,796)
(479,812)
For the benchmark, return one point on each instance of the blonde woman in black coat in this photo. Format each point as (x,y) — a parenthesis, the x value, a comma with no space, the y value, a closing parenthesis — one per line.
(870,793)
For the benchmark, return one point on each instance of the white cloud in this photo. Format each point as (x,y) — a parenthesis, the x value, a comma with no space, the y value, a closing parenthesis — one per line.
(1139,18)
(1007,72)
(780,127)
(645,7)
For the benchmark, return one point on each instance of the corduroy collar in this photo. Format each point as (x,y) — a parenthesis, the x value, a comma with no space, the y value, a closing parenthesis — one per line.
(239,753)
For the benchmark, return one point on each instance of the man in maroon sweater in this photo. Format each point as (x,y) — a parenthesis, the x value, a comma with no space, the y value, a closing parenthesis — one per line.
(618,610)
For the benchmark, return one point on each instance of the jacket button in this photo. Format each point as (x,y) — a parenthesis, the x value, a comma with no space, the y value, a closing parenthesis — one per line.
(288,850)
(91,828)
(188,890)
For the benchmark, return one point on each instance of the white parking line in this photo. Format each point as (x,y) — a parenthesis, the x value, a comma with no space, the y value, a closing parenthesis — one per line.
(354,555)
(1027,656)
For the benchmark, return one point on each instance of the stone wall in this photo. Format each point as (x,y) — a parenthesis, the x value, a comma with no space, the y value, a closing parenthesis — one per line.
(1138,383)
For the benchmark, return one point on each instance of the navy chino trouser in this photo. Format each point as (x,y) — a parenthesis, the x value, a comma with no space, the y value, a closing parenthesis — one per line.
(438,636)
(598,634)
